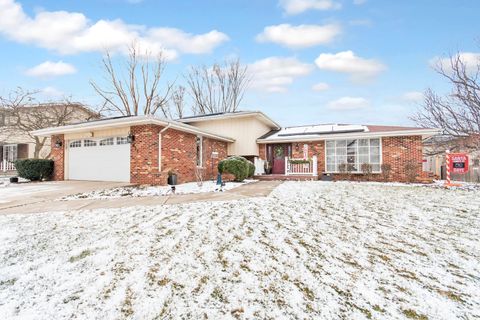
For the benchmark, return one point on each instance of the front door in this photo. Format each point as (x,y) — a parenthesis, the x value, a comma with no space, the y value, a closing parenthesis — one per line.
(280,151)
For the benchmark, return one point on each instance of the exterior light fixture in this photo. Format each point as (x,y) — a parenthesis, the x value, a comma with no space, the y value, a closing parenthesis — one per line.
(130,138)
(58,143)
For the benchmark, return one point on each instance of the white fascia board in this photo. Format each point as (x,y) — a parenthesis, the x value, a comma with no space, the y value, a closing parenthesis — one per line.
(244,114)
(358,135)
(123,122)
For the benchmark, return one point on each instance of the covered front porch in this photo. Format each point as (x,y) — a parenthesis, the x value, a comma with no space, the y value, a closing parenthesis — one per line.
(9,153)
(286,161)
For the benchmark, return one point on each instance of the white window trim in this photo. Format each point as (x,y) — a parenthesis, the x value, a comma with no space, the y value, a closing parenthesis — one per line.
(160,151)
(201,152)
(75,140)
(356,172)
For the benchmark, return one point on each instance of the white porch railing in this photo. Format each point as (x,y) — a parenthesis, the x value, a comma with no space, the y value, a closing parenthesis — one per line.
(301,166)
(259,166)
(7,166)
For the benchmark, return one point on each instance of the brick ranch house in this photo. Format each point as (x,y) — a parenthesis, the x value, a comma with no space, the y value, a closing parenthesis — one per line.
(143,149)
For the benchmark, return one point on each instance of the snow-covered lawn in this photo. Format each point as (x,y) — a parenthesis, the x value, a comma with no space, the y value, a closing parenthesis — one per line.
(310,250)
(152,191)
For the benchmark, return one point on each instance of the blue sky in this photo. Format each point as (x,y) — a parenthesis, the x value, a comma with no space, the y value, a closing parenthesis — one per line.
(314,61)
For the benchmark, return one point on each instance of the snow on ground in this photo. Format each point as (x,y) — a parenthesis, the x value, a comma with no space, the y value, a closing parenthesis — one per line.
(310,250)
(151,191)
(10,191)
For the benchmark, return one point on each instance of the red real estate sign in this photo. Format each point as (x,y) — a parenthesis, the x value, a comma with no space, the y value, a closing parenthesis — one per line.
(458,163)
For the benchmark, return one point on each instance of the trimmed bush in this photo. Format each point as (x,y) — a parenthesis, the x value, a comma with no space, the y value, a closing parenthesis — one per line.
(34,169)
(240,167)
(251,169)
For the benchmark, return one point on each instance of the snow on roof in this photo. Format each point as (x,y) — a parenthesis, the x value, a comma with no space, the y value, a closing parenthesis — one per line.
(324,131)
(321,129)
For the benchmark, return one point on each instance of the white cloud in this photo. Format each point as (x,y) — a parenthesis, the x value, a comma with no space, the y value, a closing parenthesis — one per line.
(187,42)
(359,2)
(72,32)
(321,86)
(51,69)
(348,103)
(301,36)
(359,69)
(299,6)
(413,96)
(274,74)
(470,59)
(52,93)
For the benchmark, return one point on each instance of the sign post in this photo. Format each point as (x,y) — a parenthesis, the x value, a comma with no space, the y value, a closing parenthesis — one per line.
(455,163)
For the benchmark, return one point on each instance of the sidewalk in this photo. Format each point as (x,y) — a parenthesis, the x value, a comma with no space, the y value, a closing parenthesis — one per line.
(257,189)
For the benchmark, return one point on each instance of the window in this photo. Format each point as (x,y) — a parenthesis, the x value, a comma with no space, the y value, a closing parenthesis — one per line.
(89,143)
(199,151)
(122,140)
(106,142)
(353,153)
(76,144)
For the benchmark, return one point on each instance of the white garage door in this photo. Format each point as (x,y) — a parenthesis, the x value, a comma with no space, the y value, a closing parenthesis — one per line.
(105,159)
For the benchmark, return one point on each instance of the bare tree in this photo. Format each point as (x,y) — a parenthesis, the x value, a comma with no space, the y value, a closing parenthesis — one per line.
(458,113)
(23,114)
(134,87)
(175,108)
(219,88)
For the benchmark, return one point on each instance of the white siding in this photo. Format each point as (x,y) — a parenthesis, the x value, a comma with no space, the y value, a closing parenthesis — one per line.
(245,131)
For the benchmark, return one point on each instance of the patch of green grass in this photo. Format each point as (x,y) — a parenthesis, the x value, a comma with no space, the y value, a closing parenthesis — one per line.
(378,308)
(412,314)
(451,295)
(305,290)
(9,282)
(82,255)
(218,294)
(127,308)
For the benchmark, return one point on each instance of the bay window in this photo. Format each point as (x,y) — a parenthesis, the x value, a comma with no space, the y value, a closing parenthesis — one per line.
(353,153)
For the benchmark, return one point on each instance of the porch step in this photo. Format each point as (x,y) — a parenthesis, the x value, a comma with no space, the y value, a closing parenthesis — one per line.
(282,177)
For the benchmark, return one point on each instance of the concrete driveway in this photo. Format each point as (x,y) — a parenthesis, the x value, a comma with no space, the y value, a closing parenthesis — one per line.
(44,197)
(22,194)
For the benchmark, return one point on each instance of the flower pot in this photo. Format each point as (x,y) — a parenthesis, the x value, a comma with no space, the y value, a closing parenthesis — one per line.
(14,180)
(172,179)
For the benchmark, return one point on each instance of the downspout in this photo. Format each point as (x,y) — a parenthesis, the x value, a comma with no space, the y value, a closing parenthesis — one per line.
(160,146)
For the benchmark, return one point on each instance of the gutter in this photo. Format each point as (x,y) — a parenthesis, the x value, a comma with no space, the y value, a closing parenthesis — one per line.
(126,122)
(425,132)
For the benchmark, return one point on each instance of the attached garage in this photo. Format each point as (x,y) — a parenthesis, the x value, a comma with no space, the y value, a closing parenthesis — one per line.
(105,159)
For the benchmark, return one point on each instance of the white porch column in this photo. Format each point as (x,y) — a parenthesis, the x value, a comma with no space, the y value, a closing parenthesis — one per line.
(315,166)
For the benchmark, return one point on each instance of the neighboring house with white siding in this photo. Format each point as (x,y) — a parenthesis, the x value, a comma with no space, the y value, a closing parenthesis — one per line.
(17,143)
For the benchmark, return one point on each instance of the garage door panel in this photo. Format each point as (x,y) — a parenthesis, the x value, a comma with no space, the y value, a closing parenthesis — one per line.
(100,163)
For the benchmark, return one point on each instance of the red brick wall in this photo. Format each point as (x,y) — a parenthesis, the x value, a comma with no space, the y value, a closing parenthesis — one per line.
(399,151)
(58,157)
(262,151)
(396,151)
(144,155)
(315,148)
(209,146)
(178,154)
